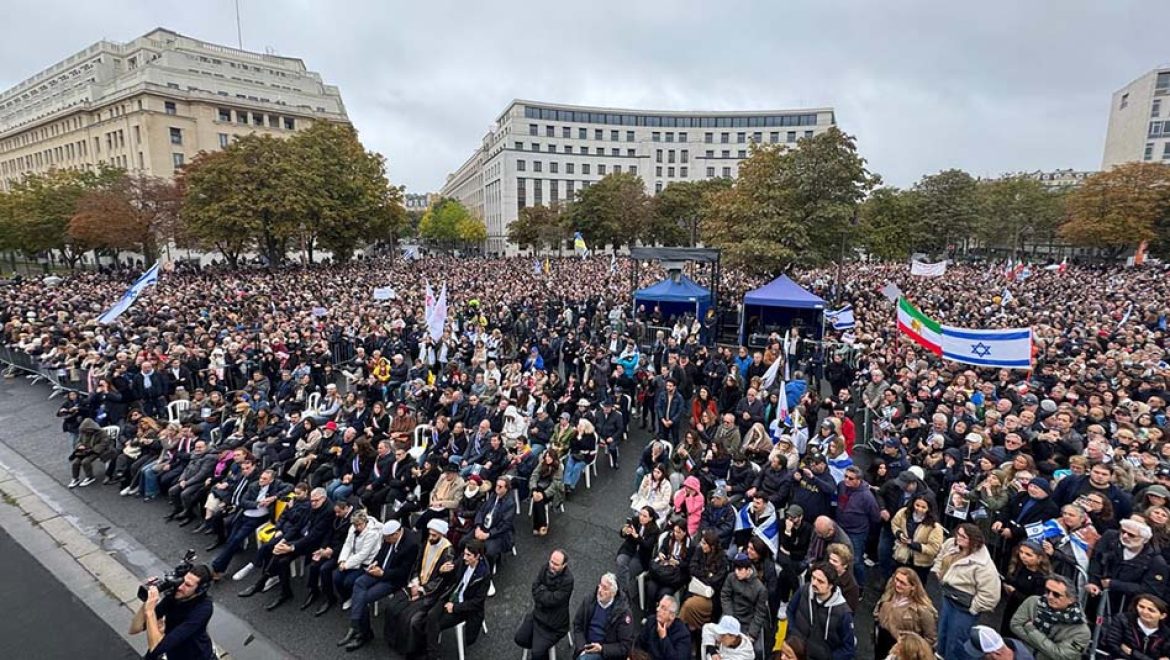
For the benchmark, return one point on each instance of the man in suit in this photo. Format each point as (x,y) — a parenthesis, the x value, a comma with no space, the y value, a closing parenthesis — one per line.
(494,521)
(278,554)
(250,511)
(461,602)
(150,387)
(387,573)
(391,478)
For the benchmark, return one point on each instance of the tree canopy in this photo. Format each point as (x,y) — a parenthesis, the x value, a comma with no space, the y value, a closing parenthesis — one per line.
(1121,207)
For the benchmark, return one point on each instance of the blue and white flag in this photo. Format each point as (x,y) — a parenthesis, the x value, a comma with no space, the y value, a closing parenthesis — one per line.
(613,263)
(768,530)
(128,298)
(842,319)
(1006,298)
(1003,349)
(536,266)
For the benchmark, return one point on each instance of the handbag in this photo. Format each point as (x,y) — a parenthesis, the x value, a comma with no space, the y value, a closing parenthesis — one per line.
(700,588)
(958,596)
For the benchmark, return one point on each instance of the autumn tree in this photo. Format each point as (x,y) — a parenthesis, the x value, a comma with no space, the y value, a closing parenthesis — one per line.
(134,212)
(614,211)
(1015,210)
(1121,207)
(449,223)
(42,206)
(539,227)
(789,206)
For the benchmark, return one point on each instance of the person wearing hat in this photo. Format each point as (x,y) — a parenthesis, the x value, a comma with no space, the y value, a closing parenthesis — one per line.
(820,617)
(726,640)
(610,427)
(435,563)
(460,599)
(745,598)
(1034,504)
(984,643)
(719,515)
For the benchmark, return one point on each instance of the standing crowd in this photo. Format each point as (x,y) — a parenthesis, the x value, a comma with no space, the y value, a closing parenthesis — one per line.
(325,440)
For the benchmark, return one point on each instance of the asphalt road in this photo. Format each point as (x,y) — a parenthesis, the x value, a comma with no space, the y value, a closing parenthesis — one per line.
(35,607)
(587,531)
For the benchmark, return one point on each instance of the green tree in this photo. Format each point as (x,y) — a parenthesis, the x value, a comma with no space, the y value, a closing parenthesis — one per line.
(678,210)
(43,205)
(540,227)
(1016,209)
(448,223)
(789,205)
(950,211)
(1121,207)
(345,197)
(886,221)
(614,211)
(250,194)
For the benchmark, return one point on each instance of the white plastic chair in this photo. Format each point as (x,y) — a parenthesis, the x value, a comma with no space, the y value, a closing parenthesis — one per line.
(459,637)
(112,432)
(642,576)
(313,404)
(176,408)
(421,440)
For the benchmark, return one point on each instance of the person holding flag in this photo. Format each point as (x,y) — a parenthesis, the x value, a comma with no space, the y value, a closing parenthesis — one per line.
(127,300)
(579,246)
(757,518)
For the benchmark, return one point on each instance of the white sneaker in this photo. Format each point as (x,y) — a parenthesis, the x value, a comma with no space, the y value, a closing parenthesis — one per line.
(870,563)
(272,582)
(346,604)
(243,572)
(491,589)
(74,483)
(128,491)
(87,481)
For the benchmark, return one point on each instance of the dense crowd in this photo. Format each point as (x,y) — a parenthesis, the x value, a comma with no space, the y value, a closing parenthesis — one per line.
(335,435)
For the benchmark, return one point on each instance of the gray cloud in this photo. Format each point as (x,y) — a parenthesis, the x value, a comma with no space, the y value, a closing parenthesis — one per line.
(988,87)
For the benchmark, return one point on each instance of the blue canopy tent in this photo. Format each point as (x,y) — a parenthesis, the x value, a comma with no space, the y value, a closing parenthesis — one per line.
(777,306)
(674,298)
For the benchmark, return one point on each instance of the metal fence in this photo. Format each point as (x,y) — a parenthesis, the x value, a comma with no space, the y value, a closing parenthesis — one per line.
(62,378)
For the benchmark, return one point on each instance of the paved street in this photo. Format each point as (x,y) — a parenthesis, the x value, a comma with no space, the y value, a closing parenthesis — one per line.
(587,531)
(35,607)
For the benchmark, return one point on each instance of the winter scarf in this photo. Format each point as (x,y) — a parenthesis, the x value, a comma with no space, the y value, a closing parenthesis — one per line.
(1048,618)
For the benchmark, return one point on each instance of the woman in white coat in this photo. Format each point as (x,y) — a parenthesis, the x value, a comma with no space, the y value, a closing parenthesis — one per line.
(970,587)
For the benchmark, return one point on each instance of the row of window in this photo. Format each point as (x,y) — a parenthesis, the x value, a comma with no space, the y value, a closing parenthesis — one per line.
(1159,129)
(554,190)
(657,136)
(571,168)
(274,121)
(1149,154)
(670,121)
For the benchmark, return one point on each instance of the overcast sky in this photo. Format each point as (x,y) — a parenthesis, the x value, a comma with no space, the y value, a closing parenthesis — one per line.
(989,87)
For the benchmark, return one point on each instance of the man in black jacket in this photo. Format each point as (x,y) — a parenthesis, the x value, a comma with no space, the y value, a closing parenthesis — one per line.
(610,429)
(278,554)
(391,478)
(185,492)
(462,601)
(603,627)
(548,621)
(1127,564)
(387,573)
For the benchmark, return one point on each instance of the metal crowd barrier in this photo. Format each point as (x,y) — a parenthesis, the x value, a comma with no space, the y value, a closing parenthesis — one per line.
(63,379)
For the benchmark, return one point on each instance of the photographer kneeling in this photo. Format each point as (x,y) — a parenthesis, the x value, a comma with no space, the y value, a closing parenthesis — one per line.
(176,624)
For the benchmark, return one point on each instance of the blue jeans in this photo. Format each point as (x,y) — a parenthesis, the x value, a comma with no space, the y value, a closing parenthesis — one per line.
(573,470)
(954,629)
(859,541)
(337,490)
(150,480)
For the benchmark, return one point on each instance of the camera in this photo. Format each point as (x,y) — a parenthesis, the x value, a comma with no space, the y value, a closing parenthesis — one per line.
(167,583)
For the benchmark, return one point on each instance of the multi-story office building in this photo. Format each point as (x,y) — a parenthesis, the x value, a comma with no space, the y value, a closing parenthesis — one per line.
(1139,121)
(543,153)
(1058,179)
(420,202)
(152,104)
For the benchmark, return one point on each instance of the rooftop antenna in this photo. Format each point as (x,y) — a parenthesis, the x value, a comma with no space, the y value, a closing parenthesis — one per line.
(239,33)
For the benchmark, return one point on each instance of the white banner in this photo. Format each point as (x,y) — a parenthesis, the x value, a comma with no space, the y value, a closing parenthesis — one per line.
(928,270)
(385,293)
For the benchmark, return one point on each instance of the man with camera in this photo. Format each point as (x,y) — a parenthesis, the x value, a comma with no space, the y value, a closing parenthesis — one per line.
(176,623)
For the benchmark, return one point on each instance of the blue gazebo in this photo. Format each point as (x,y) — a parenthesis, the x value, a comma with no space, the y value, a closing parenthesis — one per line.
(675,297)
(774,307)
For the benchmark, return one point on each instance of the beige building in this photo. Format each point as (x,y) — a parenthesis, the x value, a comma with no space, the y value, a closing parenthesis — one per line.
(1058,179)
(543,153)
(1139,121)
(152,104)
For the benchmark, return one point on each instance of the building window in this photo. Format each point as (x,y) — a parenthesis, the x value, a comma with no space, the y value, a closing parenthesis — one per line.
(177,160)
(1165,150)
(682,171)
(742,153)
(670,172)
(257,119)
(710,172)
(1124,100)
(726,153)
(569,167)
(225,114)
(629,136)
(537,192)
(613,136)
(658,170)
(569,190)
(554,194)
(176,135)
(657,155)
(566,132)
(617,169)
(223,140)
(670,156)
(550,131)
(708,137)
(598,134)
(585,168)
(710,153)
(582,133)
(808,134)
(724,138)
(791,137)
(273,121)
(521,194)
(521,166)
(656,137)
(727,173)
(241,117)
(552,148)
(775,137)
(600,151)
(536,146)
(740,138)
(601,169)
(290,124)
(537,166)
(670,136)
(682,137)
(169,108)
(633,169)
(553,167)
(1156,108)
(685,156)
(658,187)
(519,146)
(533,129)
(1149,151)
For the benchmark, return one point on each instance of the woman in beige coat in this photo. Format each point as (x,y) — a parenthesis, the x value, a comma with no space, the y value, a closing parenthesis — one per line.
(917,536)
(904,608)
(970,586)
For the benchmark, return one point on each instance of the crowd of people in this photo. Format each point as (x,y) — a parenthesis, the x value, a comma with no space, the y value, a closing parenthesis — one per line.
(335,435)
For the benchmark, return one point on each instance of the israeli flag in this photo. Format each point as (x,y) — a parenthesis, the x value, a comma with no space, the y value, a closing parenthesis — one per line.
(768,530)
(1006,298)
(1009,348)
(842,319)
(124,303)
